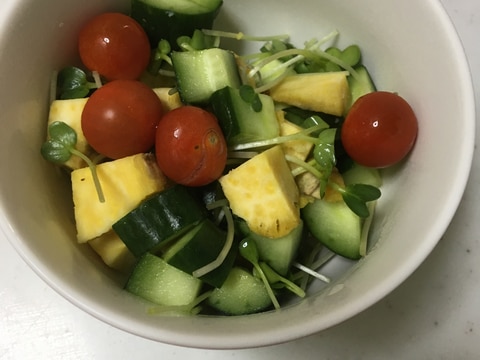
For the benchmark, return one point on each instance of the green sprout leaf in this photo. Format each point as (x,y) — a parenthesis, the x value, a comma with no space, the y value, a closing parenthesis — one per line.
(72,83)
(60,147)
(250,96)
(356,197)
(62,138)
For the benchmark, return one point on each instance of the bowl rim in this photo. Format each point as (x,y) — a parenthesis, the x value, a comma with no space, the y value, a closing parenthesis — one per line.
(382,289)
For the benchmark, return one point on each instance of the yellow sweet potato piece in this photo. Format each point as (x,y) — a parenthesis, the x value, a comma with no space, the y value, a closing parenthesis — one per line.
(263,192)
(327,92)
(113,252)
(125,183)
(296,148)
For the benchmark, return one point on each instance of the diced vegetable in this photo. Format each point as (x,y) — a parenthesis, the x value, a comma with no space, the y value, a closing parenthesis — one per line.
(241,294)
(323,92)
(263,192)
(164,19)
(125,182)
(296,148)
(160,218)
(279,253)
(113,252)
(169,100)
(243,120)
(361,84)
(154,280)
(200,73)
(335,226)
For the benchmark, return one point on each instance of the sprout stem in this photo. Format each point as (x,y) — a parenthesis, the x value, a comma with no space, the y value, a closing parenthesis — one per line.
(93,169)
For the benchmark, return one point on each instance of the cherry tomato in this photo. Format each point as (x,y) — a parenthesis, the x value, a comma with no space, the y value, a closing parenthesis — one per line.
(121,117)
(190,147)
(380,129)
(114,45)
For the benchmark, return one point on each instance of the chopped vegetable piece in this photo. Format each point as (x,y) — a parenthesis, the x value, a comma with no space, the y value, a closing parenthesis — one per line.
(126,182)
(324,92)
(158,219)
(241,294)
(113,252)
(200,73)
(263,192)
(154,280)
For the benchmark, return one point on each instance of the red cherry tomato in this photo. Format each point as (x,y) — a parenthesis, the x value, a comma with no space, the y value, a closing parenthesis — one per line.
(114,45)
(379,130)
(190,146)
(121,117)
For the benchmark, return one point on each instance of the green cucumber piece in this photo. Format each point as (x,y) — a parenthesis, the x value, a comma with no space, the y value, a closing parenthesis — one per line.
(158,219)
(241,294)
(279,253)
(335,226)
(239,121)
(158,282)
(361,85)
(199,73)
(199,247)
(358,174)
(166,19)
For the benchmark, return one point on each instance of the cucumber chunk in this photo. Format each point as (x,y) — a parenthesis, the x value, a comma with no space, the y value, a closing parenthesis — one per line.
(158,282)
(200,73)
(241,294)
(335,226)
(166,19)
(239,121)
(362,85)
(158,219)
(279,253)
(199,247)
(358,174)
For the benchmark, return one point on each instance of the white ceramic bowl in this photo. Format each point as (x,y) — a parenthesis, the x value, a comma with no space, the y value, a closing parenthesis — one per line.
(410,47)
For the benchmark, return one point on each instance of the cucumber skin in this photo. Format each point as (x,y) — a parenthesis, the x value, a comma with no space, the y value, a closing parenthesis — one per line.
(239,122)
(200,250)
(165,24)
(159,218)
(201,73)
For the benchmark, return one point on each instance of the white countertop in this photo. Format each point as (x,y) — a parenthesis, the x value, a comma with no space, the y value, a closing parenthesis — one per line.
(435,314)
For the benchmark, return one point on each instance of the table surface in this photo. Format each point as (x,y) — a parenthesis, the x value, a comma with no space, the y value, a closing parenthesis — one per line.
(435,314)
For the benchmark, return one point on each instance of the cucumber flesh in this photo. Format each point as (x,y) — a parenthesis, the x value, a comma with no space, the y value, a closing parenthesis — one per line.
(241,294)
(158,282)
(335,226)
(239,121)
(279,253)
(200,73)
(166,19)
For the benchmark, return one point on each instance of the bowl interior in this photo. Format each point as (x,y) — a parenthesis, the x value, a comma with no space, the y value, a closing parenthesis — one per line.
(423,61)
